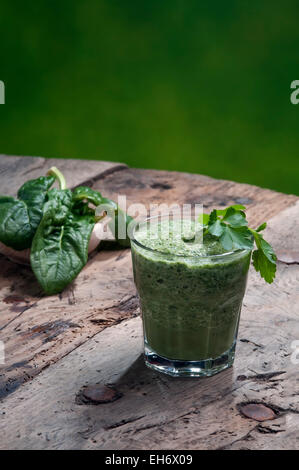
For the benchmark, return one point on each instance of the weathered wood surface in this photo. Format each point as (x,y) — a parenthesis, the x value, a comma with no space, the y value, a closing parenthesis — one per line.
(14,171)
(29,337)
(156,187)
(65,333)
(103,293)
(156,411)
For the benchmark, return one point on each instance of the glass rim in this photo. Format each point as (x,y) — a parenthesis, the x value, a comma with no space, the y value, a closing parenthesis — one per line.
(193,256)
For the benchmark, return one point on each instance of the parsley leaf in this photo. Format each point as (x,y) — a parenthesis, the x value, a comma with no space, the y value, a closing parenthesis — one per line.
(203,219)
(216,228)
(262,265)
(240,238)
(261,227)
(264,258)
(231,228)
(235,218)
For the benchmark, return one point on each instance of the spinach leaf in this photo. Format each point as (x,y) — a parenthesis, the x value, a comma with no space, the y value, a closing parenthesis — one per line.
(82,193)
(119,223)
(231,228)
(60,246)
(19,218)
(57,225)
(118,217)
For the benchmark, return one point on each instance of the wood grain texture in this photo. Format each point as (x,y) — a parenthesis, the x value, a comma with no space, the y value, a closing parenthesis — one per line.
(38,330)
(160,412)
(156,187)
(14,171)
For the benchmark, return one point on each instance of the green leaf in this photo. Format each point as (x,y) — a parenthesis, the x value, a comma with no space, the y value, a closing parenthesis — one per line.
(203,219)
(216,228)
(58,175)
(268,250)
(60,246)
(109,204)
(231,227)
(237,207)
(236,238)
(235,218)
(261,227)
(82,193)
(213,216)
(118,216)
(264,258)
(242,238)
(262,265)
(265,247)
(226,240)
(19,218)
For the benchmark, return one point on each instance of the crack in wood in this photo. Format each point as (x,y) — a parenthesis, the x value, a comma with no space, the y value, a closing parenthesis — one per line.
(267,376)
(40,166)
(164,423)
(26,307)
(245,438)
(123,422)
(288,257)
(268,430)
(91,181)
(245,340)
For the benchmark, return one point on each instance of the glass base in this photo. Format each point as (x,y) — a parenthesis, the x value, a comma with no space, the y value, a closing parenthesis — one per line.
(176,368)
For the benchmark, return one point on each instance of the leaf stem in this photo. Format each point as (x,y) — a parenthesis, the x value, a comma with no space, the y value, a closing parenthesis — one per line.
(97,218)
(58,175)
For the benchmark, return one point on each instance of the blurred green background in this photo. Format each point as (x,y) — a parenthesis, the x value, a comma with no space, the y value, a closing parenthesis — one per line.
(193,85)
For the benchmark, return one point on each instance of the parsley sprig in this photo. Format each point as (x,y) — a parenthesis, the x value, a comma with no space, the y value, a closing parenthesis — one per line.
(231,228)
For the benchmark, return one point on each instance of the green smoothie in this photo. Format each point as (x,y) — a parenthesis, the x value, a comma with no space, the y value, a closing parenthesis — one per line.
(191,293)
